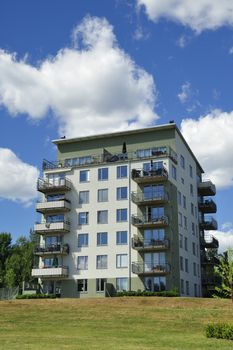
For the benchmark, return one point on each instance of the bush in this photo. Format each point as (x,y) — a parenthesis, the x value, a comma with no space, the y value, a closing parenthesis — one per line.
(165,293)
(219,330)
(36,296)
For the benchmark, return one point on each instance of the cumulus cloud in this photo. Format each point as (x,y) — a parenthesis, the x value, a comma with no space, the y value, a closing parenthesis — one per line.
(18,179)
(225,239)
(199,15)
(93,87)
(185,92)
(211,139)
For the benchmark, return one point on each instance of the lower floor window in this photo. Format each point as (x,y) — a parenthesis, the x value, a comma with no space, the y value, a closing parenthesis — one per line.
(100,284)
(155,284)
(82,285)
(122,284)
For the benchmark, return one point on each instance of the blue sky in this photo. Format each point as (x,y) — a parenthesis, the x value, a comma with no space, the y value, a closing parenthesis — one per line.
(78,67)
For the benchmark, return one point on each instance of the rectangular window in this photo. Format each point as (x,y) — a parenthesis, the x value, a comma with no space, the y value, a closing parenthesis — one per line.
(83,218)
(102,217)
(194,269)
(182,180)
(121,260)
(84,176)
(100,284)
(82,285)
(122,193)
(103,195)
(181,263)
(184,202)
(193,228)
(187,287)
(83,240)
(122,284)
(103,174)
(181,241)
(190,171)
(173,172)
(195,289)
(179,198)
(180,219)
(82,263)
(186,265)
(84,197)
(182,286)
(55,218)
(185,222)
(186,243)
(102,238)
(192,209)
(121,215)
(122,171)
(121,237)
(101,261)
(194,248)
(182,162)
(191,190)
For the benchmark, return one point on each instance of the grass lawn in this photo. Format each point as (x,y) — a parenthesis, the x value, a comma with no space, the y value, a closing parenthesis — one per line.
(112,323)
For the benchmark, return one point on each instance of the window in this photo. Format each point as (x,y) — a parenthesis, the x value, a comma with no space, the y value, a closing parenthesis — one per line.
(184,202)
(194,269)
(56,179)
(103,174)
(82,263)
(182,162)
(102,217)
(82,285)
(84,176)
(193,228)
(186,243)
(191,190)
(122,171)
(103,195)
(195,212)
(121,237)
(153,192)
(83,197)
(182,286)
(55,218)
(186,265)
(152,166)
(122,193)
(55,197)
(155,284)
(121,215)
(181,241)
(122,284)
(192,209)
(194,248)
(180,219)
(181,263)
(173,172)
(179,198)
(150,236)
(83,218)
(100,284)
(185,222)
(121,260)
(102,238)
(101,261)
(195,289)
(83,240)
(182,180)
(190,170)
(187,287)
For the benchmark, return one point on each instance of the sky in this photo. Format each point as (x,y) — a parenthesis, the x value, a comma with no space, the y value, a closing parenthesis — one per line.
(82,67)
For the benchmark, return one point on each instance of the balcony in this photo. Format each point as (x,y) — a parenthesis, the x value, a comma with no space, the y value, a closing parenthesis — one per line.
(209,223)
(143,176)
(206,188)
(209,241)
(55,272)
(141,198)
(212,261)
(149,245)
(60,206)
(52,227)
(148,221)
(57,186)
(207,206)
(58,249)
(150,269)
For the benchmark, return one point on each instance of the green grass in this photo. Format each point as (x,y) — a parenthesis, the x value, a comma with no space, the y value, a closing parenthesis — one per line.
(117,323)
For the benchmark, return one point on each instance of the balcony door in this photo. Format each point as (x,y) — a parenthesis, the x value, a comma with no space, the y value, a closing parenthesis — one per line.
(151,260)
(154,213)
(153,235)
(153,192)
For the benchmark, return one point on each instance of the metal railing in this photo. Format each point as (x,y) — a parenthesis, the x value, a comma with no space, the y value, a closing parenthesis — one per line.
(149,174)
(209,240)
(141,220)
(149,243)
(52,248)
(43,184)
(150,268)
(209,223)
(147,197)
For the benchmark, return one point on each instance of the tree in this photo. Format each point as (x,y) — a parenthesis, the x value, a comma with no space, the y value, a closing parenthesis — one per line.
(5,251)
(225,271)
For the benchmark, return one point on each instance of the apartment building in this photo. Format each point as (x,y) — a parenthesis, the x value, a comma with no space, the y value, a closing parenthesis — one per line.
(124,211)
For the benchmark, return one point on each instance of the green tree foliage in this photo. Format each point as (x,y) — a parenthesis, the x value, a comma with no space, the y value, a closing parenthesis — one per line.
(5,250)
(225,271)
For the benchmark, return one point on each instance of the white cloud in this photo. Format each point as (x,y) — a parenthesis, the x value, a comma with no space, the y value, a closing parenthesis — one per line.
(231,51)
(198,15)
(91,88)
(211,139)
(185,92)
(182,41)
(225,239)
(18,179)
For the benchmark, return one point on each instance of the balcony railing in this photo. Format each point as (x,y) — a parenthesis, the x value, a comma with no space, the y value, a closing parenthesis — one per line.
(150,268)
(57,249)
(52,227)
(147,198)
(206,188)
(60,206)
(207,206)
(154,175)
(209,223)
(213,260)
(209,241)
(58,271)
(58,185)
(144,221)
(149,244)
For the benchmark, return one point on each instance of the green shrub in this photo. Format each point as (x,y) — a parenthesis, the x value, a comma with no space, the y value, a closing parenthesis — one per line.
(36,296)
(219,330)
(165,293)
